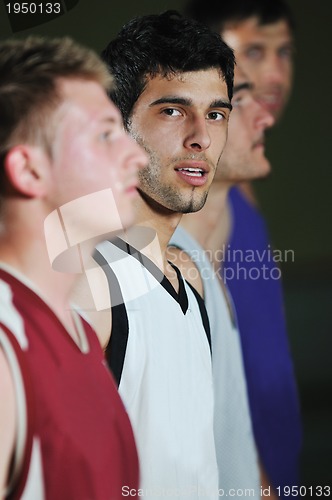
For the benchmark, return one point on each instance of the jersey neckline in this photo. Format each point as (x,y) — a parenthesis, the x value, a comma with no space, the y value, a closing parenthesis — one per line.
(180,297)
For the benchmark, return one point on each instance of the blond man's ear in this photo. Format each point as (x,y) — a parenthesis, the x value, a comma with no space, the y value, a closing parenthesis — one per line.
(26,168)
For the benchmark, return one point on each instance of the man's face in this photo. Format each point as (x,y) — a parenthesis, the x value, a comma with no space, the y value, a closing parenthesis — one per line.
(181,122)
(244,155)
(90,154)
(265,54)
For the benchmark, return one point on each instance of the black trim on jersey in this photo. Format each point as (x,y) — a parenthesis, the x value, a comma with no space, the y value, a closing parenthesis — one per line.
(204,314)
(180,297)
(116,348)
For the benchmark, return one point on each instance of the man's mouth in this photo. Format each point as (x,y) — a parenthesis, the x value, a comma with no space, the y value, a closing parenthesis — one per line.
(271,102)
(192,172)
(194,175)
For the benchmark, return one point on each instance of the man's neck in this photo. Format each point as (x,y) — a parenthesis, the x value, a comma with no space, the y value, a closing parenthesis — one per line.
(25,251)
(211,225)
(152,231)
(151,234)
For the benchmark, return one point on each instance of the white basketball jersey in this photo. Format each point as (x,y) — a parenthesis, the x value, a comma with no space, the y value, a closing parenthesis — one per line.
(162,360)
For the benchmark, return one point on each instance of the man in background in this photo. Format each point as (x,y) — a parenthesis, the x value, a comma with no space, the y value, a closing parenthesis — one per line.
(261,32)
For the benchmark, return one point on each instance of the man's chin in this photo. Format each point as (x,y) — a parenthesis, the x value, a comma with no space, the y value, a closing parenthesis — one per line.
(194,206)
(174,204)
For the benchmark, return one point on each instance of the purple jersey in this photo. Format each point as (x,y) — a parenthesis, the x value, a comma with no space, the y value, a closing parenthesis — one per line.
(253,278)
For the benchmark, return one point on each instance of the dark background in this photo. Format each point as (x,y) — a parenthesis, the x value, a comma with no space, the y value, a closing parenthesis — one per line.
(296,199)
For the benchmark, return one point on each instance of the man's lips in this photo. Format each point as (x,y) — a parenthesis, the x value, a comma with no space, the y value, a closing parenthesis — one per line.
(271,102)
(194,173)
(259,143)
(131,187)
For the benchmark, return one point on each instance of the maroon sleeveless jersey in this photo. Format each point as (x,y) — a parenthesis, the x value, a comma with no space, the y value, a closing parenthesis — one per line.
(74,439)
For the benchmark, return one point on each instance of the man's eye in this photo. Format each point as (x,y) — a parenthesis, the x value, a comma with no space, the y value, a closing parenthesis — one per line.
(286,52)
(236,102)
(216,115)
(106,135)
(171,112)
(254,53)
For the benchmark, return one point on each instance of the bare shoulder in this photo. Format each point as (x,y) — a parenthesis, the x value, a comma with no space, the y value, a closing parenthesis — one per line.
(187,266)
(7,420)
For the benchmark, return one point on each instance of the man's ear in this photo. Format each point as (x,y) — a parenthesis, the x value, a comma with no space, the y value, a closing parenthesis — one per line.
(25,166)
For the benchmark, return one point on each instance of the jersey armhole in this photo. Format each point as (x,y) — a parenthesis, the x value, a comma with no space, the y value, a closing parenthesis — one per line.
(116,348)
(23,400)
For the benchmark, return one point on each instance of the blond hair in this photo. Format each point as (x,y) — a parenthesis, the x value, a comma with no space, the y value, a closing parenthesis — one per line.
(30,69)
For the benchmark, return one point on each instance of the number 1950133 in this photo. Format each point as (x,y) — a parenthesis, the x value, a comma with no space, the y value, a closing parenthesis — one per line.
(33,8)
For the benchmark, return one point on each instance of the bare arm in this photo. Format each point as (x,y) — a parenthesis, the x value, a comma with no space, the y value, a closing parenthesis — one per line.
(94,301)
(7,421)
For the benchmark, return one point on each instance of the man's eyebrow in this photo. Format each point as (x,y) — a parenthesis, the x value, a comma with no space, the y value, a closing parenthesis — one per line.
(220,103)
(110,120)
(242,86)
(289,44)
(170,99)
(184,101)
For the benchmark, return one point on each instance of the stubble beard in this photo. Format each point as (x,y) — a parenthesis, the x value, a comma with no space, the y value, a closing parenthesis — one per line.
(165,196)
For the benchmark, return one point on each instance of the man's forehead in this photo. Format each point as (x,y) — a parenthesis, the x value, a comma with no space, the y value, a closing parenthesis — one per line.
(253,30)
(241,79)
(87,97)
(183,76)
(239,74)
(208,80)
